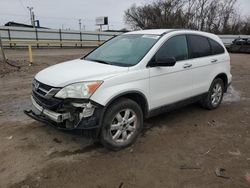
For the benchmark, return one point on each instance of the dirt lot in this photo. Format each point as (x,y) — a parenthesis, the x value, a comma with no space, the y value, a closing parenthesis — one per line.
(178,149)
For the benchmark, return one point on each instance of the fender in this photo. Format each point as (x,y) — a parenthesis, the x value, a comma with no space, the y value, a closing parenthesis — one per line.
(133,94)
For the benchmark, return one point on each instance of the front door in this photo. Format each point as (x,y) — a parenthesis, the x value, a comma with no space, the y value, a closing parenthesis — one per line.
(171,84)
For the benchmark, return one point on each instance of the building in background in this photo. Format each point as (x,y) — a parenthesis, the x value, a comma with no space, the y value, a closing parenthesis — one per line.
(16,24)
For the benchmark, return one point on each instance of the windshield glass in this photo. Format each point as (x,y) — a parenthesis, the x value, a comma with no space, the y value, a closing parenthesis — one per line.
(123,50)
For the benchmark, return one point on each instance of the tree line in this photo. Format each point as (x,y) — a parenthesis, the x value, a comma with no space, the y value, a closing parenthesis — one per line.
(215,16)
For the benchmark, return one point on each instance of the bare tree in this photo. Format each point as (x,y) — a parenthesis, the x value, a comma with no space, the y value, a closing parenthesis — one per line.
(218,16)
(156,15)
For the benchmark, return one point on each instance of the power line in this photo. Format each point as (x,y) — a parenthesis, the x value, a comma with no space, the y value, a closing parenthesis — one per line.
(8,14)
(59,18)
(22,5)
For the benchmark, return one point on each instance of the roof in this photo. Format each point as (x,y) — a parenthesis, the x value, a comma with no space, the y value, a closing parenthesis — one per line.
(16,24)
(165,31)
(151,31)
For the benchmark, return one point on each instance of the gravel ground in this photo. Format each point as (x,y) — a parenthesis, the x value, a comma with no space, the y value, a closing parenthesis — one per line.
(182,148)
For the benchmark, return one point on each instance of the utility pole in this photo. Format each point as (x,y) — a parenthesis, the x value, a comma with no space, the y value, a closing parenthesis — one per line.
(80,24)
(33,19)
(32,16)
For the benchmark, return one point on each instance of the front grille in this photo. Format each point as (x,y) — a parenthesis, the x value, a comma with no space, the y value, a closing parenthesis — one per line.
(43,95)
(49,103)
(44,86)
(41,88)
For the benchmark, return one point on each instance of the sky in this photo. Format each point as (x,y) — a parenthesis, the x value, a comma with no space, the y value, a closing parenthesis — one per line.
(66,13)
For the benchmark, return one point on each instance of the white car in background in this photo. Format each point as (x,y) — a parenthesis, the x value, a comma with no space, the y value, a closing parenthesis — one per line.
(137,75)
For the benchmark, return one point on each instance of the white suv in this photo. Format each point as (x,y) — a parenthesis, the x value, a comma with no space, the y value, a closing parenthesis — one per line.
(111,90)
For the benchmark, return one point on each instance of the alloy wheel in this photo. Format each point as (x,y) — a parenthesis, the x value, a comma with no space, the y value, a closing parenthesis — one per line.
(216,94)
(123,125)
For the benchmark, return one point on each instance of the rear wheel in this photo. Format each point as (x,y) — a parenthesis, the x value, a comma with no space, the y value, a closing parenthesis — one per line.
(123,121)
(215,95)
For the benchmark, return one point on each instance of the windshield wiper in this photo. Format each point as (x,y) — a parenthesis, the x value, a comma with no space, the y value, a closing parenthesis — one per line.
(99,61)
(110,63)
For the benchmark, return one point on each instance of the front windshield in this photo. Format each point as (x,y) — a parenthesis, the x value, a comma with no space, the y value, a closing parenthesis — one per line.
(123,50)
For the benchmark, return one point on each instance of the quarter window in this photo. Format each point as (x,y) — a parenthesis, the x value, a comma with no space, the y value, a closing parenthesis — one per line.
(216,47)
(198,46)
(174,47)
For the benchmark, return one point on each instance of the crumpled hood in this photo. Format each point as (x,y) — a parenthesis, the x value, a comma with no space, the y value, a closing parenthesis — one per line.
(77,70)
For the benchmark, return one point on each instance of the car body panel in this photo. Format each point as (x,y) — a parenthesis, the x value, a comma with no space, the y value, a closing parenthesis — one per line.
(136,81)
(170,84)
(77,70)
(205,70)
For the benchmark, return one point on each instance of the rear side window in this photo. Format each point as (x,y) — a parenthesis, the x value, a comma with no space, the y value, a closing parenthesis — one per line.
(216,47)
(198,46)
(174,47)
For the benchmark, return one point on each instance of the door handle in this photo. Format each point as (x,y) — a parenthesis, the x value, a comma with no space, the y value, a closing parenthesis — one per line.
(214,60)
(187,65)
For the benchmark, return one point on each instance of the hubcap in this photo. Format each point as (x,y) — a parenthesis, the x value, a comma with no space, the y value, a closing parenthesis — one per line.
(123,125)
(216,94)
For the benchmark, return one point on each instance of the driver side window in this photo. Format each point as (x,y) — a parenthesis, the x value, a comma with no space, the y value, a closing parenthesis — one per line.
(174,47)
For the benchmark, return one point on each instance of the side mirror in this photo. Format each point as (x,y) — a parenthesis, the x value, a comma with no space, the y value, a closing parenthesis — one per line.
(163,62)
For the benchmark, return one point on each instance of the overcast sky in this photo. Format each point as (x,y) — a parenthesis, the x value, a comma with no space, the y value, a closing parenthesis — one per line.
(66,13)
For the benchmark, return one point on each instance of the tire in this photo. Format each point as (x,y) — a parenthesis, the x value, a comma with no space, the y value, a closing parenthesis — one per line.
(214,96)
(122,123)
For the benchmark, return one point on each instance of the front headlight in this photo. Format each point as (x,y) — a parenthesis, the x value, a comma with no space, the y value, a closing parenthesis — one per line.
(81,90)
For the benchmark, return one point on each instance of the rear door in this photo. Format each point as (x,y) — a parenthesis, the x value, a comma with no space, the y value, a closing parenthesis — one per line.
(200,55)
(205,55)
(171,84)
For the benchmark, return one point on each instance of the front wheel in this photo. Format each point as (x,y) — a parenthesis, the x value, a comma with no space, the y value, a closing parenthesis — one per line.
(123,121)
(215,95)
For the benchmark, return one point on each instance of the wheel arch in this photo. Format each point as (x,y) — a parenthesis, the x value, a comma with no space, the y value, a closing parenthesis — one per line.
(224,78)
(136,96)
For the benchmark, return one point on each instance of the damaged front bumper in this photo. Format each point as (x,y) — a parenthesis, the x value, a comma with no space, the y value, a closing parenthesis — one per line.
(71,115)
(56,117)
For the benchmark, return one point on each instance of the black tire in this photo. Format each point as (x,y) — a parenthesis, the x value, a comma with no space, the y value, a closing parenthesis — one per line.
(207,102)
(121,106)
